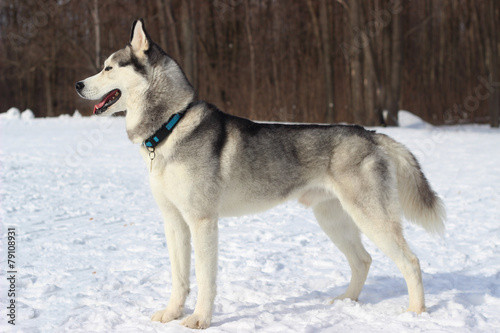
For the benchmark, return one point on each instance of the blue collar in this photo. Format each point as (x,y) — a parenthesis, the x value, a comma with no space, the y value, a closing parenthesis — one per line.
(164,131)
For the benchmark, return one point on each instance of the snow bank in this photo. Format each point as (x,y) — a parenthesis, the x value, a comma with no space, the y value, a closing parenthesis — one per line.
(92,255)
(27,114)
(12,113)
(407,119)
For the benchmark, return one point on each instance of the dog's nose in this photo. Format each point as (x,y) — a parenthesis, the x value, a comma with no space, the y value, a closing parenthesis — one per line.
(79,86)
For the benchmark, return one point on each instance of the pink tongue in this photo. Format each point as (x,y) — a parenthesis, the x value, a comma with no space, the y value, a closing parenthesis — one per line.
(101,103)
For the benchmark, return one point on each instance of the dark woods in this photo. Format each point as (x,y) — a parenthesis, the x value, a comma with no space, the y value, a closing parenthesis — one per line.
(280,60)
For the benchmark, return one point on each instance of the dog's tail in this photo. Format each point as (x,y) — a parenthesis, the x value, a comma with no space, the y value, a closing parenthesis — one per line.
(420,204)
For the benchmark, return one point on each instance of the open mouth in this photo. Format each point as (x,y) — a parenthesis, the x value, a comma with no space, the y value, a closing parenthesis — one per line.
(107,101)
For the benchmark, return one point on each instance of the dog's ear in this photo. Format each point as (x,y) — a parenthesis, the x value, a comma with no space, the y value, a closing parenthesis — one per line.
(139,38)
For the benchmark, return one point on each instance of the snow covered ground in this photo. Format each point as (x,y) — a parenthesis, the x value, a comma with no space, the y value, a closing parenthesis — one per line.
(91,255)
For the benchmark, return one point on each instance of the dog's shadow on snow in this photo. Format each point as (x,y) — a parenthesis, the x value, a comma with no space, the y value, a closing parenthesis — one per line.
(469,291)
(313,301)
(298,304)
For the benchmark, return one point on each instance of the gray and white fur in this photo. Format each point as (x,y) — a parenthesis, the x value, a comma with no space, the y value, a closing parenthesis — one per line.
(214,164)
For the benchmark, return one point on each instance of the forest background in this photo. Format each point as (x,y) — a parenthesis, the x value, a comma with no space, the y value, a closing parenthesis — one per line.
(274,60)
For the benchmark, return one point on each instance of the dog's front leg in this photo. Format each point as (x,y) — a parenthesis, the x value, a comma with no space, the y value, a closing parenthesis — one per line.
(179,248)
(205,239)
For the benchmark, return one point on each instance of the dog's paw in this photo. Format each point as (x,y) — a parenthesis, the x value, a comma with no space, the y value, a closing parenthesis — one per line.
(197,321)
(166,315)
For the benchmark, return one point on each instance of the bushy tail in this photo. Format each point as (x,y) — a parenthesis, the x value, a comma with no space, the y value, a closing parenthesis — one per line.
(420,204)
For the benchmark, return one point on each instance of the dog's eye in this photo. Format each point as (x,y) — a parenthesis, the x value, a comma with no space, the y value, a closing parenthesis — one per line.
(108,68)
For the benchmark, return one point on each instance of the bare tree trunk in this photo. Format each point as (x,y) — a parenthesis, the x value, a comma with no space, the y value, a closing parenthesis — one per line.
(356,68)
(369,84)
(494,102)
(395,88)
(370,73)
(48,69)
(277,92)
(248,28)
(189,42)
(325,38)
(162,23)
(315,26)
(172,29)
(30,87)
(279,104)
(97,32)
(194,43)
(47,83)
(319,51)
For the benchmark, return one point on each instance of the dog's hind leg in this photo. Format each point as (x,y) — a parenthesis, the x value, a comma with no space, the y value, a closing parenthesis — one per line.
(179,248)
(381,223)
(340,228)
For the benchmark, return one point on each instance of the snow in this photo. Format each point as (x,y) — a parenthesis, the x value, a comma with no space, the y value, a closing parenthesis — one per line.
(11,113)
(15,113)
(27,114)
(91,254)
(407,119)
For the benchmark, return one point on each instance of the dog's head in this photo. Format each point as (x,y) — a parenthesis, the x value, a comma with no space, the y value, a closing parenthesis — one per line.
(131,76)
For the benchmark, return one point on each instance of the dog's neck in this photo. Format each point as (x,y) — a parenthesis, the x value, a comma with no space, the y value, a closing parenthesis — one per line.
(155,107)
(142,126)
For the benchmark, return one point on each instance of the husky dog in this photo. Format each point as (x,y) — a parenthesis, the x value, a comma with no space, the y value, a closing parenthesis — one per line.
(205,164)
